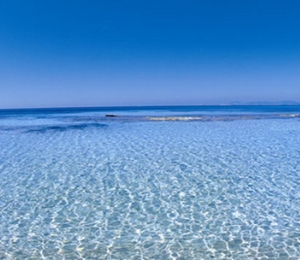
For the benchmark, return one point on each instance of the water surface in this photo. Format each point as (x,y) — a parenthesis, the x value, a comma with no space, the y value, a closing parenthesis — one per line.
(77,185)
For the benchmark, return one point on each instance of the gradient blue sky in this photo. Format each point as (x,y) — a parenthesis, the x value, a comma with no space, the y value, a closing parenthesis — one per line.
(108,53)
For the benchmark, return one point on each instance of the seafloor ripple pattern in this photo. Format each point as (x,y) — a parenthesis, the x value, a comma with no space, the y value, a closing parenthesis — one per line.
(152,190)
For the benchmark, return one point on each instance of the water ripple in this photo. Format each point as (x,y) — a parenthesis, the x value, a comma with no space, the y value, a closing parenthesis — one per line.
(152,190)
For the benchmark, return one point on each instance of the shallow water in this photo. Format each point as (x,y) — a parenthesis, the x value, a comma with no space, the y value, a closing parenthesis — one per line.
(92,189)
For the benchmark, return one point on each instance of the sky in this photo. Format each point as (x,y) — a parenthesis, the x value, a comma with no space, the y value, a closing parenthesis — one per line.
(136,53)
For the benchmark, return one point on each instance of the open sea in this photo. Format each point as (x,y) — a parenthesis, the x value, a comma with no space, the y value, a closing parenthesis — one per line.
(208,182)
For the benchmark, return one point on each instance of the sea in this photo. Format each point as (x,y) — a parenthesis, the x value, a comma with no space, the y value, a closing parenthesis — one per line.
(189,182)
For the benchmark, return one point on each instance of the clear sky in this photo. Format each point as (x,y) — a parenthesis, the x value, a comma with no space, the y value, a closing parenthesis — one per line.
(56,53)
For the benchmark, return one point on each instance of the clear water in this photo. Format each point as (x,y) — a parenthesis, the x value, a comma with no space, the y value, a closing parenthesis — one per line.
(75,185)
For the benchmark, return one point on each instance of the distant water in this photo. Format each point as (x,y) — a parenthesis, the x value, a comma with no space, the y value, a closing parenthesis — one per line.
(78,185)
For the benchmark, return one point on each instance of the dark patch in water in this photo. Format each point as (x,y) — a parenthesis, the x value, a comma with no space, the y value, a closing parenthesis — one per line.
(63,128)
(183,167)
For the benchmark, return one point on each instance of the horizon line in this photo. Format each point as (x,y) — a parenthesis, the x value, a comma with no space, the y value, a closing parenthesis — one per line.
(235,104)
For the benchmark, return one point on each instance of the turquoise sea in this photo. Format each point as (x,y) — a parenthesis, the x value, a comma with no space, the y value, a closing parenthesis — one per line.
(210,182)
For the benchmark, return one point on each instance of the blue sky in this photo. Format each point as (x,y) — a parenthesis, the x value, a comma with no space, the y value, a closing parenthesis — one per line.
(108,53)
